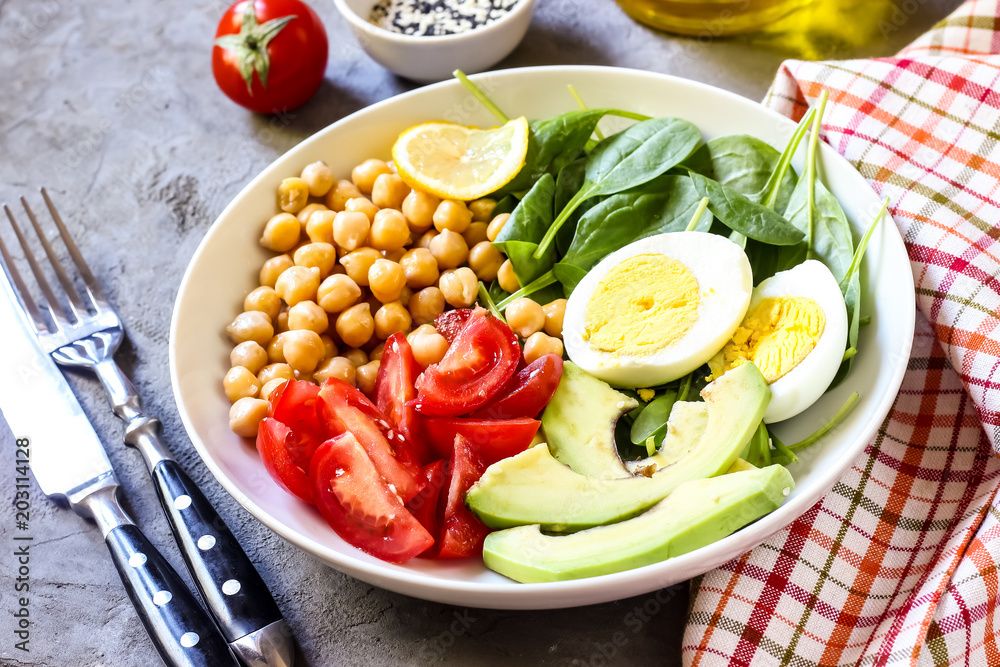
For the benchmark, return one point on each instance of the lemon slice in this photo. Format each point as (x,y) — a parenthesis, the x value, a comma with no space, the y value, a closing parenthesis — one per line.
(459,162)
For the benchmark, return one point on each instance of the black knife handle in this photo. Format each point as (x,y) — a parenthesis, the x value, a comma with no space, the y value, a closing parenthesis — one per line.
(227,579)
(183,633)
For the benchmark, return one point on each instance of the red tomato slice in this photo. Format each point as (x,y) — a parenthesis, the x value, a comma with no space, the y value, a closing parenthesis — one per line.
(271,444)
(344,409)
(528,391)
(478,364)
(462,534)
(424,505)
(394,390)
(294,405)
(360,506)
(450,322)
(491,439)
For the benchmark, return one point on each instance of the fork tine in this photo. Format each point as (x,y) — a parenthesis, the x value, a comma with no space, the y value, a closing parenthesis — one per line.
(53,306)
(17,285)
(75,304)
(93,287)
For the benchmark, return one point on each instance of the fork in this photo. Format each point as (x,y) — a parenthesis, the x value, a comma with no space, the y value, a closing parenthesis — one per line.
(87,335)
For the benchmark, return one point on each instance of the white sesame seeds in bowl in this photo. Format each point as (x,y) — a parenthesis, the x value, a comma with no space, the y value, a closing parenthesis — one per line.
(426,40)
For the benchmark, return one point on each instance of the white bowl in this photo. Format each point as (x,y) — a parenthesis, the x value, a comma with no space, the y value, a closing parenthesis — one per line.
(434,58)
(226,264)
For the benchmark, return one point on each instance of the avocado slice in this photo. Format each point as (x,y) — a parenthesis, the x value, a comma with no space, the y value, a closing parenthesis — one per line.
(699,512)
(533,487)
(579,424)
(685,426)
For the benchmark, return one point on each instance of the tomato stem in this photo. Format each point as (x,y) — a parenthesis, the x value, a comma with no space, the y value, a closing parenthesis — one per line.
(250,45)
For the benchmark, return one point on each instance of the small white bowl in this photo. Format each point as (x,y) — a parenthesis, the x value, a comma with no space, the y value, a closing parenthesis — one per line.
(434,58)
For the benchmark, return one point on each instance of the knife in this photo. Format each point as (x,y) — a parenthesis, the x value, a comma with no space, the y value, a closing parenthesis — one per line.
(69,464)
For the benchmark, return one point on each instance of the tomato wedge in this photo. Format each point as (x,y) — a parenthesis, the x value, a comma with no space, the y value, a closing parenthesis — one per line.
(491,439)
(479,362)
(450,322)
(394,390)
(360,506)
(528,392)
(424,505)
(343,409)
(294,405)
(462,534)
(272,437)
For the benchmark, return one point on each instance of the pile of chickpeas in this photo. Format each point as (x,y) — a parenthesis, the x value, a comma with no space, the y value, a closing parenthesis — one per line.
(357,261)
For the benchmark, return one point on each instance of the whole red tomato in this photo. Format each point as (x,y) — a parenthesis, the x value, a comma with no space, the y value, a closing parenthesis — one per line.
(269,55)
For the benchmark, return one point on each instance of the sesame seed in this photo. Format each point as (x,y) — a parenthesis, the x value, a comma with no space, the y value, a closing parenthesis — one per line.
(424,18)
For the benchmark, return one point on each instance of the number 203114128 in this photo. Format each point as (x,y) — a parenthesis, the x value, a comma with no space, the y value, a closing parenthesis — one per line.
(22,546)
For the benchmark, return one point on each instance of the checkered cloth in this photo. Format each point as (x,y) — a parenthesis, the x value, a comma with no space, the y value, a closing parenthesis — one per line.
(898,564)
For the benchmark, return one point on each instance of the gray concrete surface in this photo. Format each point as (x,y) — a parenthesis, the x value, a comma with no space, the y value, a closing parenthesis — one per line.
(112,106)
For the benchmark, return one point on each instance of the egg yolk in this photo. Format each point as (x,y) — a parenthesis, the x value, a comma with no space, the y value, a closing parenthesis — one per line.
(642,305)
(776,336)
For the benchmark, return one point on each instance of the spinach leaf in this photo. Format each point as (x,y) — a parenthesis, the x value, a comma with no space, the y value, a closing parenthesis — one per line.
(832,242)
(745,216)
(652,421)
(569,275)
(769,195)
(527,225)
(569,181)
(628,159)
(665,204)
(553,143)
(743,163)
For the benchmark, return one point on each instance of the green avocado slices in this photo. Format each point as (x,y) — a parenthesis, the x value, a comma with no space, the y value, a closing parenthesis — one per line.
(698,513)
(535,488)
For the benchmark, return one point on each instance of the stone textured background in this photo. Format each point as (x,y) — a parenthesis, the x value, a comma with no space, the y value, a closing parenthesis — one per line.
(112,106)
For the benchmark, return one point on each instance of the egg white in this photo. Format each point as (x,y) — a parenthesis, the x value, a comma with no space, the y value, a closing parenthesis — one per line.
(800,387)
(725,283)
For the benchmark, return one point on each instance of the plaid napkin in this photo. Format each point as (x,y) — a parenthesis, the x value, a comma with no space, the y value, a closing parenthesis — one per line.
(897,565)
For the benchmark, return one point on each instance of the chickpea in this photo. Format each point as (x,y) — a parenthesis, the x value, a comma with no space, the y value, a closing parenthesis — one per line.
(405,295)
(273,268)
(366,375)
(427,304)
(476,233)
(246,415)
(459,287)
(392,166)
(359,263)
(318,178)
(525,317)
(362,205)
(307,315)
(392,318)
(496,224)
(264,299)
(356,325)
(376,353)
(303,349)
(319,226)
(336,367)
(449,249)
(276,350)
(419,208)
(321,255)
(350,229)
(420,267)
(268,389)
(389,191)
(507,277)
(240,383)
(425,240)
(429,348)
(555,311)
(329,346)
(485,260)
(453,215)
(389,230)
(386,280)
(281,324)
(364,174)
(422,330)
(337,293)
(251,325)
(293,195)
(298,283)
(275,371)
(338,196)
(540,344)
(356,356)
(249,355)
(281,233)
(482,209)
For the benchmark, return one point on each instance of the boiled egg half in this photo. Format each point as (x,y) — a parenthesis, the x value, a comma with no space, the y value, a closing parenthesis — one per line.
(795,331)
(658,308)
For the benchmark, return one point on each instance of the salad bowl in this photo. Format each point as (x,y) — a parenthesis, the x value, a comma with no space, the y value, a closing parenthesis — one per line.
(224,269)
